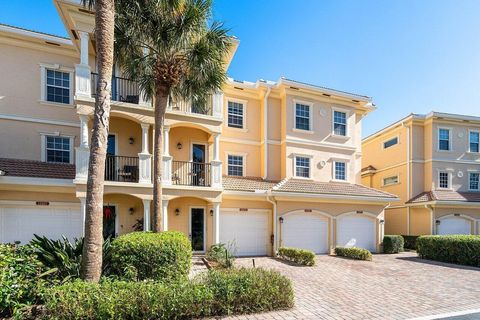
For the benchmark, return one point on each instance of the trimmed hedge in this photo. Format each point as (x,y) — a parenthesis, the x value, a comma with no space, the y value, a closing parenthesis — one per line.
(146,255)
(216,293)
(410,242)
(300,256)
(459,249)
(354,253)
(392,244)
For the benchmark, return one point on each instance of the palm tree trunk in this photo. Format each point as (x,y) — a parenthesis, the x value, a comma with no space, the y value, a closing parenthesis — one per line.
(161,102)
(91,268)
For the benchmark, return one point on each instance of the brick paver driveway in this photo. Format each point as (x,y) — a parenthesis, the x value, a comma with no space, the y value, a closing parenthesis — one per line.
(397,286)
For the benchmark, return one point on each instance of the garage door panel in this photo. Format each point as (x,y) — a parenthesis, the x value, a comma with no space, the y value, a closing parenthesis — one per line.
(247,231)
(305,231)
(21,223)
(356,231)
(454,225)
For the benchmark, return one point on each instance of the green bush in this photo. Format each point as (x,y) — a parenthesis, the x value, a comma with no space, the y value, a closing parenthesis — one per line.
(216,293)
(459,249)
(220,254)
(159,256)
(20,278)
(354,253)
(410,242)
(300,256)
(392,244)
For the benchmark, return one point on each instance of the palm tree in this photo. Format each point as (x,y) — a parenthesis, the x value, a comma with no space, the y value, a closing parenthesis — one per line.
(91,267)
(173,51)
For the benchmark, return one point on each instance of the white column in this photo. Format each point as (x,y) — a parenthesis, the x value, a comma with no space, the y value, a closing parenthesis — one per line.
(82,71)
(145,158)
(164,226)
(166,140)
(83,131)
(145,128)
(216,146)
(216,222)
(216,164)
(217,105)
(83,213)
(166,158)
(82,153)
(146,214)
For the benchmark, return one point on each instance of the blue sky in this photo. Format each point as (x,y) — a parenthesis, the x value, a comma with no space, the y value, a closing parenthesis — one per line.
(410,56)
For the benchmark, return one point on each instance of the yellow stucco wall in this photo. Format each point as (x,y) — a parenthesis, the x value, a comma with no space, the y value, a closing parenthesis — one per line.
(396,221)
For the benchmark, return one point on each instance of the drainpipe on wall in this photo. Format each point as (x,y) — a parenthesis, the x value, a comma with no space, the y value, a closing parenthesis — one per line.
(265,133)
(274,204)
(409,196)
(432,218)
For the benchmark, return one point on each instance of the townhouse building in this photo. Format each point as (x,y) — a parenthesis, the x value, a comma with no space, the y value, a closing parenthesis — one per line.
(264,164)
(432,163)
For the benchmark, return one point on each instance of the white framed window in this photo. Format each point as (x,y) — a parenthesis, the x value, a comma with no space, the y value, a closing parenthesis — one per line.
(388,181)
(56,84)
(474,141)
(390,143)
(474,181)
(303,116)
(443,139)
(236,165)
(57,148)
(340,170)
(302,167)
(339,123)
(443,180)
(236,114)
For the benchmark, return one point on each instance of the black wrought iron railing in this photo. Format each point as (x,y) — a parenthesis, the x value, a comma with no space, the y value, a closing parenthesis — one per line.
(121,168)
(186,173)
(123,90)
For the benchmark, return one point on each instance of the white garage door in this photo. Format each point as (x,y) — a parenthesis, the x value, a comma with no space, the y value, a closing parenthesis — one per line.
(305,231)
(248,231)
(21,223)
(454,225)
(356,231)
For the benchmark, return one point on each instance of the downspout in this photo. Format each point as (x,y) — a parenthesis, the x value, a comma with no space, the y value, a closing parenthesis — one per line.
(265,133)
(409,196)
(274,204)
(432,219)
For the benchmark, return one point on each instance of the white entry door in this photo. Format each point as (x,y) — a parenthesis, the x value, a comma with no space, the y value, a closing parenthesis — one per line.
(21,223)
(454,225)
(305,231)
(248,231)
(356,231)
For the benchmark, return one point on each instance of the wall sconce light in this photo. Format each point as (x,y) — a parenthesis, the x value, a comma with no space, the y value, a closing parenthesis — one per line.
(131,210)
(211,212)
(179,146)
(437,222)
(382,221)
(177,212)
(280,219)
(131,140)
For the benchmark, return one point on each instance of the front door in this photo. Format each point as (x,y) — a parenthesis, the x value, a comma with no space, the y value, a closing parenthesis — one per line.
(110,161)
(109,217)
(198,165)
(197,229)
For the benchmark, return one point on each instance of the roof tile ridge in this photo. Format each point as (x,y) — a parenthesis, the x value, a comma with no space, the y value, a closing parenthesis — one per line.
(280,184)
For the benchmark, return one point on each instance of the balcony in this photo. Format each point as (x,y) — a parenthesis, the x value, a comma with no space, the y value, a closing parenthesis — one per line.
(121,168)
(186,173)
(189,107)
(123,89)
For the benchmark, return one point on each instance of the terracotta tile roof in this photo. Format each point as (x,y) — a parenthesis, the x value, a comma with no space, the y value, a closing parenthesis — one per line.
(247,183)
(331,188)
(369,168)
(446,195)
(36,169)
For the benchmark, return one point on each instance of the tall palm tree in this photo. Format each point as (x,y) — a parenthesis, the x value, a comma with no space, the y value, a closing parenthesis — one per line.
(91,267)
(173,50)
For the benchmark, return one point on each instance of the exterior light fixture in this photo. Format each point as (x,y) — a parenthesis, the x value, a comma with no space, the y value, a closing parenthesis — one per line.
(131,140)
(280,219)
(179,146)
(211,212)
(131,210)
(177,212)
(382,221)
(437,221)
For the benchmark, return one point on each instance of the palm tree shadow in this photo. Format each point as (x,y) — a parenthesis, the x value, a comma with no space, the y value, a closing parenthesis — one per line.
(438,263)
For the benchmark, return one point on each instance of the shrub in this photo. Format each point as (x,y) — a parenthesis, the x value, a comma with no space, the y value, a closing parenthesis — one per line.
(159,256)
(410,242)
(215,293)
(63,258)
(459,249)
(392,244)
(20,278)
(220,254)
(354,253)
(300,256)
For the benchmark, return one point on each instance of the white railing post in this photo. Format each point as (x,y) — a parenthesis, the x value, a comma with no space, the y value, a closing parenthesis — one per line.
(145,158)
(216,164)
(83,212)
(166,158)
(146,214)
(217,104)
(82,70)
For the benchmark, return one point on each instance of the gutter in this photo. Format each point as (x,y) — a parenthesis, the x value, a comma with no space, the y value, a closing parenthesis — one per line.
(274,203)
(265,133)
